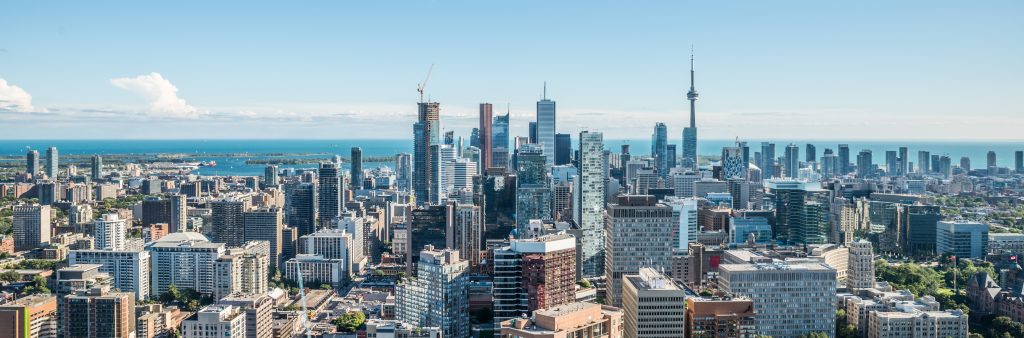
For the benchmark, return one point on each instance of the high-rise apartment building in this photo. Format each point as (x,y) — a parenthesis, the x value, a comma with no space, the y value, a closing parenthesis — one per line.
(486,135)
(129,270)
(720,317)
(861,265)
(97,168)
(303,208)
(767,164)
(258,311)
(811,153)
(844,159)
(51,162)
(659,148)
(265,224)
(865,165)
(426,133)
(652,305)
(533,190)
(733,166)
(792,158)
(29,317)
(579,319)
(186,260)
(639,234)
(242,270)
(32,163)
(464,232)
(438,295)
(98,312)
(590,202)
(31,226)
(217,320)
(227,223)
(356,172)
(110,233)
(329,196)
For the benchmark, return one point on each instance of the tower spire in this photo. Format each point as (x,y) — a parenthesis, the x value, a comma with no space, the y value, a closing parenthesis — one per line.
(692,94)
(545,95)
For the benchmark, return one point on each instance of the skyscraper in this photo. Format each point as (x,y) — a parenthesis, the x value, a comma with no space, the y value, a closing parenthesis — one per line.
(1018,161)
(690,133)
(812,153)
(865,165)
(303,212)
(51,162)
(862,266)
(992,167)
(32,167)
(652,305)
(904,161)
(330,193)
(270,176)
(266,224)
(892,163)
(801,212)
(357,169)
(532,274)
(844,159)
(546,126)
(924,162)
(426,132)
(533,190)
(792,164)
(659,148)
(768,160)
(31,226)
(98,312)
(563,149)
(733,166)
(590,202)
(439,295)
(403,171)
(110,232)
(672,153)
(639,235)
(485,136)
(97,167)
(226,221)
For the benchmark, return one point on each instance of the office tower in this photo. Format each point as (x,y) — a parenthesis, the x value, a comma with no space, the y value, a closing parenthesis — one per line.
(533,274)
(486,135)
(733,166)
(32,167)
(426,226)
(563,149)
(184,259)
(439,295)
(684,222)
(533,192)
(811,153)
(801,212)
(330,244)
(29,316)
(768,160)
(317,270)
(532,132)
(924,162)
(226,221)
(1018,161)
(98,312)
(215,321)
(861,265)
(865,165)
(460,174)
(961,239)
(590,202)
(110,233)
(790,298)
(356,173)
(242,270)
(303,212)
(690,133)
(904,162)
(844,159)
(720,317)
(464,232)
(51,162)
(265,224)
(258,311)
(992,167)
(31,226)
(919,227)
(652,305)
(546,126)
(749,230)
(639,235)
(426,133)
(671,159)
(329,196)
(792,158)
(130,270)
(499,141)
(892,161)
(97,167)
(659,148)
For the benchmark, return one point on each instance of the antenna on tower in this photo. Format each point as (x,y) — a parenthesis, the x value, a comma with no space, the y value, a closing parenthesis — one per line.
(545,90)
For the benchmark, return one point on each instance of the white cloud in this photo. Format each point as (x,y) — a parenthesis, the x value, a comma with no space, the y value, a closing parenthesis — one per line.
(13,98)
(161,95)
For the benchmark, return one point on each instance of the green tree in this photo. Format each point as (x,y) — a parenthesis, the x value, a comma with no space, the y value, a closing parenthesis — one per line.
(10,276)
(351,321)
(38,286)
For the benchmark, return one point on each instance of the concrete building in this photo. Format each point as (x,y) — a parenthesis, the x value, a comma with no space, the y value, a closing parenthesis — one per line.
(52,162)
(130,270)
(98,312)
(224,321)
(720,317)
(465,232)
(917,324)
(266,224)
(571,320)
(639,235)
(862,266)
(961,239)
(532,274)
(380,328)
(110,233)
(243,270)
(186,260)
(332,244)
(258,312)
(29,316)
(652,306)
(790,297)
(439,295)
(590,197)
(31,226)
(316,270)
(1005,243)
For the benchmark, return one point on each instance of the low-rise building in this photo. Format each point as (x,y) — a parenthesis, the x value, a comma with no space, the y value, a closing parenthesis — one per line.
(569,320)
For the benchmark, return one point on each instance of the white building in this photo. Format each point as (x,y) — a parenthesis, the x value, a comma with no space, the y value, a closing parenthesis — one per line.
(223,321)
(1002,243)
(331,244)
(243,271)
(316,270)
(917,324)
(651,306)
(589,208)
(186,260)
(862,266)
(961,239)
(110,232)
(790,298)
(684,211)
(129,269)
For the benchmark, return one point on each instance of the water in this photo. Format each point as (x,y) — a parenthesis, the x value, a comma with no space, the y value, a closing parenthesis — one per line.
(209,150)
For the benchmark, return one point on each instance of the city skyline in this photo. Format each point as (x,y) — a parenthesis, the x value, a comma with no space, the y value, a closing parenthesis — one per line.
(314,75)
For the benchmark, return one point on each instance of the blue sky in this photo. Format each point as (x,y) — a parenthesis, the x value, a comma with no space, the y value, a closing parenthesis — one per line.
(765,70)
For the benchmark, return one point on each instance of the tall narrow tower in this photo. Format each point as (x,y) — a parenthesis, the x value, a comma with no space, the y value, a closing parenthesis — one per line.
(690,133)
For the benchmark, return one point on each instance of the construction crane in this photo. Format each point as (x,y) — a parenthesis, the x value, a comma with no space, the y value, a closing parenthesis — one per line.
(306,326)
(422,85)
